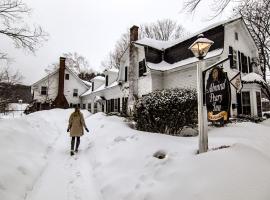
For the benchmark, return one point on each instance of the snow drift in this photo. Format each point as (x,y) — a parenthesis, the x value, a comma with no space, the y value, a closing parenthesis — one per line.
(116,162)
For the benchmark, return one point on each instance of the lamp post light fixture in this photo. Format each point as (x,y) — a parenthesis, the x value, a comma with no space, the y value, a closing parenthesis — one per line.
(200,49)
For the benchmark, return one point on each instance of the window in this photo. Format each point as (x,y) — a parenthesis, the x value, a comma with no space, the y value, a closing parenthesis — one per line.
(93,84)
(124,105)
(75,92)
(115,105)
(89,107)
(233,58)
(126,74)
(83,106)
(235,35)
(246,103)
(142,68)
(112,105)
(259,104)
(67,76)
(244,63)
(106,80)
(71,105)
(44,90)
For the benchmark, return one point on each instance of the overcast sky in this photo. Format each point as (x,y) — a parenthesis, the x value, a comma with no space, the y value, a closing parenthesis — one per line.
(91,28)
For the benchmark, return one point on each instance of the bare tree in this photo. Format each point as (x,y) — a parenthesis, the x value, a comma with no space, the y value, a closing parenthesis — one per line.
(13,26)
(165,30)
(217,6)
(8,79)
(162,30)
(257,18)
(76,62)
(256,14)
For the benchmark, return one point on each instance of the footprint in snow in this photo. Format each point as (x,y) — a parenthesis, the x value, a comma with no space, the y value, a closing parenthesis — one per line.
(102,126)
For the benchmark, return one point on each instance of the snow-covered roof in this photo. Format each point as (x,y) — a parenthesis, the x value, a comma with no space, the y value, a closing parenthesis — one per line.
(89,84)
(160,45)
(101,78)
(164,66)
(72,72)
(102,87)
(113,70)
(253,78)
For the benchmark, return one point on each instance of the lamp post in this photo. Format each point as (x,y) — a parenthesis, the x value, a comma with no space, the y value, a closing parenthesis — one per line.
(200,49)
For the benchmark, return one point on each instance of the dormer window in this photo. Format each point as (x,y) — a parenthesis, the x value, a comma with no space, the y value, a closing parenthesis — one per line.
(106,80)
(67,76)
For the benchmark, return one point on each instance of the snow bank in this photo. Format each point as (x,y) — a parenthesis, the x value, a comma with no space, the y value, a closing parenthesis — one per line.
(25,143)
(125,168)
(116,162)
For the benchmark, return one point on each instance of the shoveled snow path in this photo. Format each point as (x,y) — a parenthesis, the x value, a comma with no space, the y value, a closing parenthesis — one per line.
(66,177)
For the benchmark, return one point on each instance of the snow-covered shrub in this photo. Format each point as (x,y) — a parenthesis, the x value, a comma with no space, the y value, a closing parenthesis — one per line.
(167,111)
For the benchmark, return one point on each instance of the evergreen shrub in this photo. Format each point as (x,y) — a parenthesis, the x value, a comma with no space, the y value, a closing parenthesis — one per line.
(167,111)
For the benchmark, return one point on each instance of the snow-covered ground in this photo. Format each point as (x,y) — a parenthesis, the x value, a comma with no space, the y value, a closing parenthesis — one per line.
(116,162)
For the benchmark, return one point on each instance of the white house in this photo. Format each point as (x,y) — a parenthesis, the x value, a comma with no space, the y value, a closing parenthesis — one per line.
(61,88)
(149,65)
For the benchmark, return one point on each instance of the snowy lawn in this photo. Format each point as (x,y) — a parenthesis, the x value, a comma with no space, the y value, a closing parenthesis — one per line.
(116,162)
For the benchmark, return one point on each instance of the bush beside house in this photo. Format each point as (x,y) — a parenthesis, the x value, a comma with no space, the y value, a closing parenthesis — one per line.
(167,111)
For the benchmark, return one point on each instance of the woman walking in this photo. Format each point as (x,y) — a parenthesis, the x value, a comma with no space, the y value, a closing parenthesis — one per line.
(75,126)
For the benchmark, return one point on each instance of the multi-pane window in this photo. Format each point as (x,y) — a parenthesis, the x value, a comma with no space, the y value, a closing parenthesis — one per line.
(83,106)
(75,92)
(44,90)
(142,68)
(89,107)
(244,63)
(246,103)
(67,76)
(233,58)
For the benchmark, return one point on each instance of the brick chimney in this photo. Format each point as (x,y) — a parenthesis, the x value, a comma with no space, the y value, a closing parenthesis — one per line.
(134,33)
(61,101)
(133,69)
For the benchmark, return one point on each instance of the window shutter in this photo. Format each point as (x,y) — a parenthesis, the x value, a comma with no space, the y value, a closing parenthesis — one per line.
(126,74)
(107,80)
(231,57)
(142,67)
(239,61)
(249,65)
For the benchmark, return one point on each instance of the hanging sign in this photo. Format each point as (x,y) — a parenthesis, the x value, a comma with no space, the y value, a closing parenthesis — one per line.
(236,82)
(218,95)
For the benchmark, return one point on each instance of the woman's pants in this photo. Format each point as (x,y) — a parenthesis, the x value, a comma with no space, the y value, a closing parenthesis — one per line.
(73,143)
